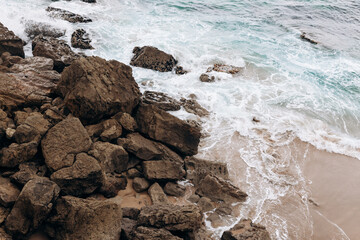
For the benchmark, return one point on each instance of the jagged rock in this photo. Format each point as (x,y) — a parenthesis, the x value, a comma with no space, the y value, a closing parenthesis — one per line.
(245,229)
(80,39)
(157,194)
(163,170)
(180,70)
(86,219)
(164,127)
(113,158)
(53,48)
(192,106)
(128,227)
(206,78)
(107,130)
(126,121)
(218,189)
(82,178)
(152,58)
(17,153)
(28,171)
(36,64)
(4,212)
(147,233)
(225,69)
(171,217)
(205,204)
(141,147)
(9,42)
(33,128)
(140,184)
(131,213)
(9,61)
(94,88)
(20,117)
(113,184)
(133,173)
(33,29)
(8,192)
(67,15)
(174,189)
(32,206)
(161,100)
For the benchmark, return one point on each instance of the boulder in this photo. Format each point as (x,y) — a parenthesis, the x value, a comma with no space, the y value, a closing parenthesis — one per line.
(94,88)
(147,233)
(161,100)
(131,213)
(28,171)
(225,69)
(133,173)
(112,158)
(80,39)
(157,194)
(206,78)
(17,153)
(192,106)
(180,70)
(174,189)
(152,58)
(82,178)
(163,170)
(164,127)
(126,121)
(63,141)
(171,217)
(32,206)
(67,15)
(107,130)
(218,189)
(8,192)
(33,29)
(140,184)
(35,64)
(113,183)
(246,229)
(11,43)
(205,204)
(53,48)
(128,227)
(141,147)
(86,219)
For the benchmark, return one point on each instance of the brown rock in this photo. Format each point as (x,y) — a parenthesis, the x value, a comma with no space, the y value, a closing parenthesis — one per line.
(3,215)
(141,147)
(133,173)
(86,219)
(113,184)
(62,141)
(113,158)
(194,198)
(128,227)
(36,64)
(94,88)
(8,192)
(218,189)
(25,133)
(67,15)
(17,153)
(146,233)
(152,58)
(126,121)
(180,70)
(192,106)
(4,235)
(80,39)
(206,78)
(166,128)
(306,37)
(112,130)
(205,204)
(157,194)
(161,100)
(163,170)
(171,217)
(28,171)
(9,42)
(140,184)
(174,189)
(225,68)
(245,229)
(131,213)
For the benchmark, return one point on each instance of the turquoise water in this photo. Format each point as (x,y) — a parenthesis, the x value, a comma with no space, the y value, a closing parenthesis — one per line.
(296,89)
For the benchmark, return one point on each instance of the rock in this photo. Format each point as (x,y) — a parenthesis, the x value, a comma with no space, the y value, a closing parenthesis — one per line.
(245,229)
(107,130)
(157,194)
(3,215)
(140,184)
(225,69)
(80,39)
(37,121)
(194,198)
(161,100)
(82,178)
(131,213)
(32,206)
(133,173)
(11,43)
(218,189)
(17,153)
(180,70)
(305,37)
(9,61)
(128,227)
(205,204)
(192,106)
(20,117)
(113,184)
(10,133)
(152,58)
(94,88)
(205,78)
(113,158)
(24,134)
(163,170)
(126,121)
(133,162)
(28,171)
(67,15)
(86,219)
(146,233)
(53,48)
(141,147)
(8,192)
(36,64)
(171,217)
(4,235)
(33,29)
(89,1)
(174,189)
(166,128)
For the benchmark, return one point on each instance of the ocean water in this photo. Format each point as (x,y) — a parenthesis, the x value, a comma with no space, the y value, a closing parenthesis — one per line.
(296,89)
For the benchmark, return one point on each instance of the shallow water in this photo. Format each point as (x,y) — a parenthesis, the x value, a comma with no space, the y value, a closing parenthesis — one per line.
(295,89)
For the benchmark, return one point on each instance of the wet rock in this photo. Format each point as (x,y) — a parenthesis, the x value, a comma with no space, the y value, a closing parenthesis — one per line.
(304,36)
(113,158)
(67,15)
(128,227)
(194,198)
(157,194)
(205,204)
(33,29)
(141,147)
(82,178)
(32,206)
(11,43)
(192,106)
(163,170)
(94,88)
(86,219)
(161,100)
(146,233)
(140,184)
(63,141)
(152,58)
(8,192)
(180,70)
(131,213)
(80,39)
(218,189)
(53,48)
(245,229)
(206,78)
(225,69)
(113,184)
(17,153)
(166,128)
(171,217)
(28,171)
(174,189)
(126,121)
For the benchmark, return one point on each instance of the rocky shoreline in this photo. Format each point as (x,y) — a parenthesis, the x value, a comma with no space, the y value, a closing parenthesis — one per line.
(85,155)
